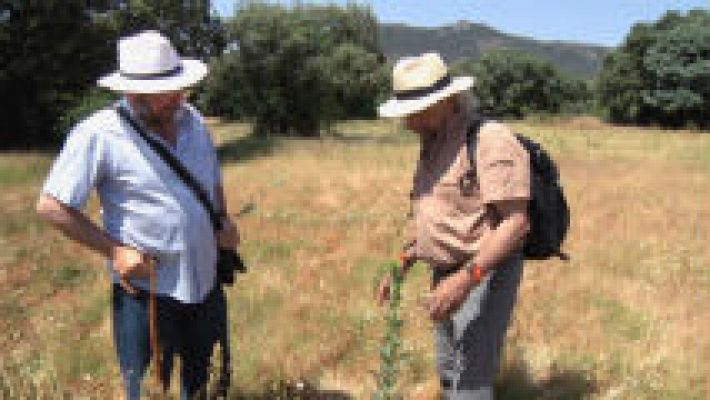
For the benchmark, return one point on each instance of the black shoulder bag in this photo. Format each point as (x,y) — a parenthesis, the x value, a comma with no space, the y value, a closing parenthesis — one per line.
(228,260)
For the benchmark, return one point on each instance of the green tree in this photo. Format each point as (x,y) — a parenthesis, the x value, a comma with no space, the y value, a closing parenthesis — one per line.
(678,65)
(510,83)
(357,80)
(52,50)
(619,89)
(220,93)
(660,74)
(306,66)
(191,25)
(623,77)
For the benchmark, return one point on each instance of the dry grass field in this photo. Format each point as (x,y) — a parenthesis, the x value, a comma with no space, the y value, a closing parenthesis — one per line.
(627,318)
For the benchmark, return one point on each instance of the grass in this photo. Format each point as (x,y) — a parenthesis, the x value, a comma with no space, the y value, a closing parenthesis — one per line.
(18,169)
(626,318)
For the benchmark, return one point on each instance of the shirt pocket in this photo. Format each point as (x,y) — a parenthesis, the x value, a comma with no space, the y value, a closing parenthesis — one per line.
(458,197)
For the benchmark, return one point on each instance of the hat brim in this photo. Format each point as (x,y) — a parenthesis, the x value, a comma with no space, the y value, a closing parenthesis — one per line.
(192,72)
(394,108)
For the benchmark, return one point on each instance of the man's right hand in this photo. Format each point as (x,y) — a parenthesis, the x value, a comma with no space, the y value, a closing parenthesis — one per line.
(130,263)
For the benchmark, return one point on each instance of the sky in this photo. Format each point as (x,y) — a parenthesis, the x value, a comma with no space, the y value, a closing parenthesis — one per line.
(603,22)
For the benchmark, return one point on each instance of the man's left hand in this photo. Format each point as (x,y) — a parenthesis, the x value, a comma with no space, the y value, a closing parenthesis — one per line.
(449,294)
(228,237)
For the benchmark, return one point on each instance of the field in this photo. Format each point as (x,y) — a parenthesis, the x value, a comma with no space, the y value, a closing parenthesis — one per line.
(628,317)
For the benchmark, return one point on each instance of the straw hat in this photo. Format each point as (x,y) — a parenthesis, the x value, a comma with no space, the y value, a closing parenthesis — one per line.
(148,63)
(420,82)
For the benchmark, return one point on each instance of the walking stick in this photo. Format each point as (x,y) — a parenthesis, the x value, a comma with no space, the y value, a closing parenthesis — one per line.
(153,324)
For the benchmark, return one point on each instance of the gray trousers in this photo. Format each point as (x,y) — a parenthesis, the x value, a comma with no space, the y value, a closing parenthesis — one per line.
(468,345)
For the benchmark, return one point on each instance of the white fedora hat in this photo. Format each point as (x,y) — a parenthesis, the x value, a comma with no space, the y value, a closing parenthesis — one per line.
(148,63)
(419,82)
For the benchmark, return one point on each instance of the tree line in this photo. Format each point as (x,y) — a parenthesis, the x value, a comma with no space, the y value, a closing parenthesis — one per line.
(296,70)
(52,52)
(661,73)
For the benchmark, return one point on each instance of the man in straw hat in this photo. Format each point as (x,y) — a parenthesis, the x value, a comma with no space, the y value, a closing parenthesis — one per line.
(152,223)
(467,228)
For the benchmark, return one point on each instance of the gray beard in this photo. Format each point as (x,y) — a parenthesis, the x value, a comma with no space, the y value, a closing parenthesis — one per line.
(159,123)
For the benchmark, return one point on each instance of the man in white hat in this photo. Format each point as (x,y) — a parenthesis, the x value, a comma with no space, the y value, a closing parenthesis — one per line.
(153,224)
(467,228)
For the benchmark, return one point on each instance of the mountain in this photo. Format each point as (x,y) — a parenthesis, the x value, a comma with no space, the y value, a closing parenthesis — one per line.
(468,39)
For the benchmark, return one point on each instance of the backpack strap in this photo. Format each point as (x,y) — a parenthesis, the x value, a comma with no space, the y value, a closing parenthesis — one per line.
(471,176)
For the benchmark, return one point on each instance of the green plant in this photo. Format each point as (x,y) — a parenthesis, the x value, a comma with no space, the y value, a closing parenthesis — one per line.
(390,355)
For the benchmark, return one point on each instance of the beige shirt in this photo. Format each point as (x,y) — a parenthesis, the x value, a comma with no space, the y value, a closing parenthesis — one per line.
(449,218)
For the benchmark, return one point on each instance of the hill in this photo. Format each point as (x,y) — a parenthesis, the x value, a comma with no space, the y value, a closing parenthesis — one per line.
(468,39)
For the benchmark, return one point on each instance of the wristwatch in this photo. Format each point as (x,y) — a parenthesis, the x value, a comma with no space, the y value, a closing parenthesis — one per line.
(475,271)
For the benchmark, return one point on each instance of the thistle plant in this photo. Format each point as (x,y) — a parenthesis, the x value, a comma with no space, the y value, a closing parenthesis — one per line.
(390,356)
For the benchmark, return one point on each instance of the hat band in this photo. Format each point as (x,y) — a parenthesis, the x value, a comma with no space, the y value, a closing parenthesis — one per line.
(421,92)
(154,75)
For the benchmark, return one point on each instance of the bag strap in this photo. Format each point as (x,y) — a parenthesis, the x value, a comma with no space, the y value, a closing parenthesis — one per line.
(471,145)
(175,165)
(471,176)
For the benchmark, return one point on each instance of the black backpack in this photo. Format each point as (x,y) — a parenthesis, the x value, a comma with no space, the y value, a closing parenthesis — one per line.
(548,210)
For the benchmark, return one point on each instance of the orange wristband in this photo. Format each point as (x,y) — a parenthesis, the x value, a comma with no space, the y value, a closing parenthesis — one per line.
(477,272)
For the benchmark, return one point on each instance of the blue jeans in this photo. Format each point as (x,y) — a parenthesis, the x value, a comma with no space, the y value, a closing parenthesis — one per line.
(468,345)
(187,330)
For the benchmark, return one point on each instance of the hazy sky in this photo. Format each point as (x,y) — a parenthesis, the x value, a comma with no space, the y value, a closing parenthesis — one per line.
(603,22)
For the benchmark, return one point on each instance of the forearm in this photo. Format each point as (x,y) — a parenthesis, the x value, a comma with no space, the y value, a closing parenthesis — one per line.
(496,245)
(75,225)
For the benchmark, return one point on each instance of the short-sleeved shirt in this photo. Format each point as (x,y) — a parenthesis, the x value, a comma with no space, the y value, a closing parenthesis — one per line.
(144,204)
(449,218)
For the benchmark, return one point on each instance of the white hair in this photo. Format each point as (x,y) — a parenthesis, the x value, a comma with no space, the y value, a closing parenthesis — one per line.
(468,103)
